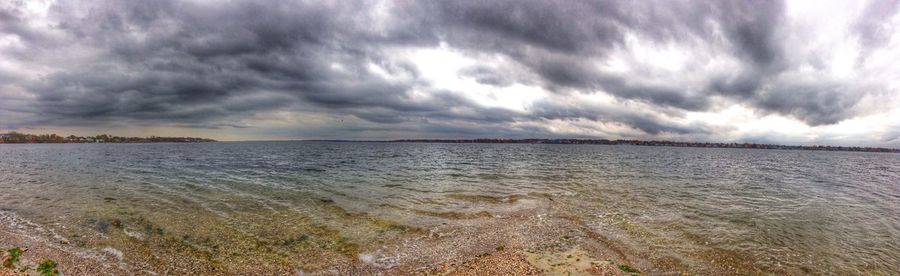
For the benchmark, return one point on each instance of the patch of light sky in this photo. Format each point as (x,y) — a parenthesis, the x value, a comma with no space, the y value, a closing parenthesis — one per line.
(441,66)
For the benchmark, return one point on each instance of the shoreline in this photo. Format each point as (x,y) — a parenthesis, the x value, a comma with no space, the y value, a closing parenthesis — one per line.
(41,243)
(537,239)
(521,242)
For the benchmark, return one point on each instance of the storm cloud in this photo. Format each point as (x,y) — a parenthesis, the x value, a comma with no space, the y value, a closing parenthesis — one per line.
(706,70)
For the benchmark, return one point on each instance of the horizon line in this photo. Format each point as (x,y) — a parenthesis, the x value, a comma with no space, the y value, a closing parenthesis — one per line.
(559,141)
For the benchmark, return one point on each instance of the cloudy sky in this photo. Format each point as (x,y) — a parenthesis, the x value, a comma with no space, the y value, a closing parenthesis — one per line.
(797,72)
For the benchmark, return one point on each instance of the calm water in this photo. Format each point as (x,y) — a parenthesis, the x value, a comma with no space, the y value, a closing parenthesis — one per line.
(766,210)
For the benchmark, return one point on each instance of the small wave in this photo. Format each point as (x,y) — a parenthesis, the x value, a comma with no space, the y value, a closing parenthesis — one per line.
(378,260)
(136,235)
(454,215)
(113,252)
(485,198)
(27,228)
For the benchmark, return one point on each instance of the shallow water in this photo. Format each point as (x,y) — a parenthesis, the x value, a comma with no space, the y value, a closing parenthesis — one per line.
(763,211)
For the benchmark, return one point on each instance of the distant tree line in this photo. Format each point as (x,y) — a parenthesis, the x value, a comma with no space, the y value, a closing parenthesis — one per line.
(22,138)
(650,143)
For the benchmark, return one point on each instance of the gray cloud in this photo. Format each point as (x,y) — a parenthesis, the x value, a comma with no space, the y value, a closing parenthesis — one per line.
(206,64)
(870,25)
(816,104)
(487,75)
(642,120)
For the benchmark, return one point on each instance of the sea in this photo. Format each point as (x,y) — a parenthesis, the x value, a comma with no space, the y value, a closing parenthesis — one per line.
(316,206)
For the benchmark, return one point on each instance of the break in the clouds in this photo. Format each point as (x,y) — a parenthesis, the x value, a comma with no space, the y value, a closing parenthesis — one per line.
(773,71)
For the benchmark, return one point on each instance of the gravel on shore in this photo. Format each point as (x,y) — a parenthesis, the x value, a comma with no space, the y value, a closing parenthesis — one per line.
(530,240)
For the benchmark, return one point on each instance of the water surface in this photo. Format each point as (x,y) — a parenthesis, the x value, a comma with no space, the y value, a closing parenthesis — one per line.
(678,209)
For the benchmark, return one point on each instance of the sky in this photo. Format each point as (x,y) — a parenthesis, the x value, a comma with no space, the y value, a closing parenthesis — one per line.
(791,72)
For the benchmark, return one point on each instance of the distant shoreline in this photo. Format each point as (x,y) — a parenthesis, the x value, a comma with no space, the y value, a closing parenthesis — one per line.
(22,138)
(651,143)
(19,138)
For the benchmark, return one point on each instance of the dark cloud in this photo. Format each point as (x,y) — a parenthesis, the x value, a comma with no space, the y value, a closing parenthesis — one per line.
(208,63)
(814,103)
(512,26)
(644,121)
(753,28)
(557,41)
(486,75)
(660,94)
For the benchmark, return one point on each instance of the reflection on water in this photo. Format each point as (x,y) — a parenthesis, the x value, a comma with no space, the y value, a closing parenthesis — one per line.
(680,208)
